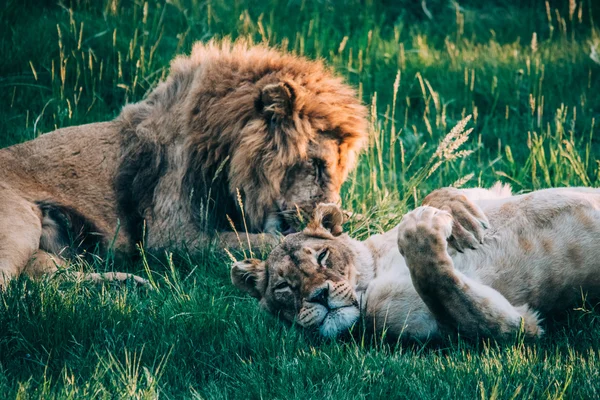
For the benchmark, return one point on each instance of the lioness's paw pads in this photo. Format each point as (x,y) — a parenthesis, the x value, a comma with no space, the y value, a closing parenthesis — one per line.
(420,225)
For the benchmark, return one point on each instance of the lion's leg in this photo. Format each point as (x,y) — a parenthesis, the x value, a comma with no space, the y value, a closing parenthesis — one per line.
(230,240)
(20,231)
(457,301)
(240,240)
(43,263)
(120,277)
(191,238)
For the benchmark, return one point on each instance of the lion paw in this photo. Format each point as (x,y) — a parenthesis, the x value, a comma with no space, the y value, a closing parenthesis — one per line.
(470,222)
(424,230)
(119,277)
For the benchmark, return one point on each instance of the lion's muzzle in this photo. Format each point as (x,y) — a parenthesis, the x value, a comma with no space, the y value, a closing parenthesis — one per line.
(331,308)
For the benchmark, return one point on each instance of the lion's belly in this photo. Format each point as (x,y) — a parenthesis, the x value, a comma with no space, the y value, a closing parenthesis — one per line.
(542,249)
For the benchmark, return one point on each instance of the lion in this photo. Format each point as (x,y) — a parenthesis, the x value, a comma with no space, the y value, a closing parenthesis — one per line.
(475,262)
(234,123)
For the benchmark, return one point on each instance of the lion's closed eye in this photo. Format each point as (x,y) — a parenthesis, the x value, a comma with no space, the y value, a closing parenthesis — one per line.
(282,285)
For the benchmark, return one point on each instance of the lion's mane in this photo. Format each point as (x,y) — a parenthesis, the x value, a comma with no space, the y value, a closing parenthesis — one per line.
(211,129)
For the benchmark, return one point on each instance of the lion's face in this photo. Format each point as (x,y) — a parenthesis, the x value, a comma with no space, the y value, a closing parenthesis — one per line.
(313,180)
(297,154)
(309,278)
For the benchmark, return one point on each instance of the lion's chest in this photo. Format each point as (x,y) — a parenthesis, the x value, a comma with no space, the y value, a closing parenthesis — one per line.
(388,260)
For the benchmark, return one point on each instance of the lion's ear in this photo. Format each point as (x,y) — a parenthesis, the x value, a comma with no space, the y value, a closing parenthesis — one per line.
(277,100)
(249,275)
(327,220)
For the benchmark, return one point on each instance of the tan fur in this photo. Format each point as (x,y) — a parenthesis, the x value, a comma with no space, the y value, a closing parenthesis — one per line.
(280,130)
(519,256)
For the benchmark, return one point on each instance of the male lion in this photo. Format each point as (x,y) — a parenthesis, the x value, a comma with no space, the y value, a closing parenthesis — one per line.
(540,251)
(280,129)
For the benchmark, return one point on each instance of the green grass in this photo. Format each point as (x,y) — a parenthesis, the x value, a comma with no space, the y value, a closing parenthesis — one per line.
(522,70)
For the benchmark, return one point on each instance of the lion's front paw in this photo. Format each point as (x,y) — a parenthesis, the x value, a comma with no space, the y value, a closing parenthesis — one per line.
(423,241)
(119,277)
(470,222)
(424,231)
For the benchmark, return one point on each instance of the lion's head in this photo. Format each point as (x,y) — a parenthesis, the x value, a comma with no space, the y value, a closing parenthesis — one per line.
(309,278)
(281,129)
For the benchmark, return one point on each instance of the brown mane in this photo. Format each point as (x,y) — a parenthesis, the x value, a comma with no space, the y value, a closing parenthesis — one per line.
(211,108)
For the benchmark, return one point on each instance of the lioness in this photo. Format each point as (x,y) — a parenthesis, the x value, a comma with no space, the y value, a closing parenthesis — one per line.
(280,129)
(540,251)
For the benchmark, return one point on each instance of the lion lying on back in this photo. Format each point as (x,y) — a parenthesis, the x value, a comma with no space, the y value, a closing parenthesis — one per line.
(511,257)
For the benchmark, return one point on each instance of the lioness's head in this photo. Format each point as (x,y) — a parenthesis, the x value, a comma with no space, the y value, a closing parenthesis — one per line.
(309,278)
(281,129)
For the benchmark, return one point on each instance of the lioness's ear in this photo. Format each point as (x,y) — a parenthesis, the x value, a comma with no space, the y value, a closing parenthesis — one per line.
(277,99)
(249,275)
(327,220)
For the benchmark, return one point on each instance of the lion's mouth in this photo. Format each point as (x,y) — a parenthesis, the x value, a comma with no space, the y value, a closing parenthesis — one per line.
(285,228)
(330,322)
(338,320)
(278,223)
(282,222)
(332,312)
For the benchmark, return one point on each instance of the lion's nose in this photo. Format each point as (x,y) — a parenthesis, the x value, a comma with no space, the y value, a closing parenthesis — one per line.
(320,296)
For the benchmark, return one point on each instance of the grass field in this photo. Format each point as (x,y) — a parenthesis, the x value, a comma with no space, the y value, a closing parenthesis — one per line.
(527,72)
